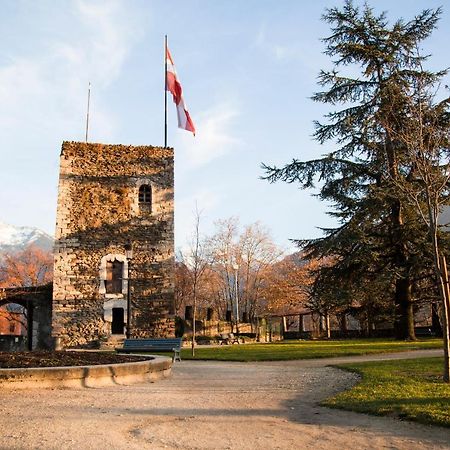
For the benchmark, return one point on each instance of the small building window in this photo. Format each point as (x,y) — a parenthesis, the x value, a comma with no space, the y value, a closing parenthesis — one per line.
(145,198)
(113,282)
(12,327)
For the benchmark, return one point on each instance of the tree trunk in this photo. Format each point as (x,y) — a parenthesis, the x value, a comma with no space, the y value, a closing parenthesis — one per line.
(440,265)
(445,317)
(194,316)
(283,326)
(435,320)
(327,325)
(368,323)
(301,323)
(343,324)
(404,313)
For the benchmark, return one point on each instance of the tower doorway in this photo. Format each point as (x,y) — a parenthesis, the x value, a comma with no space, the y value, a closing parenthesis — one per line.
(117,324)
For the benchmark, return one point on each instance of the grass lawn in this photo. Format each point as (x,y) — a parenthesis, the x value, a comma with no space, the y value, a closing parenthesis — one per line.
(411,389)
(287,350)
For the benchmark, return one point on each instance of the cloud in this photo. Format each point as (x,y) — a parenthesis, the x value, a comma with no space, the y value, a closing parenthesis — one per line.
(278,51)
(111,32)
(45,84)
(54,49)
(214,137)
(284,52)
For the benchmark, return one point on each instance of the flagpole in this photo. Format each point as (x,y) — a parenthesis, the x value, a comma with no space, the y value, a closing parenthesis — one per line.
(165,90)
(87,113)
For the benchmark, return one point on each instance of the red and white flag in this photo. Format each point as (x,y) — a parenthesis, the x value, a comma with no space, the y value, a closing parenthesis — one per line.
(174,87)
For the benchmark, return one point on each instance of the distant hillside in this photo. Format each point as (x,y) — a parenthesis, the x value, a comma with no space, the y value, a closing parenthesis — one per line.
(17,238)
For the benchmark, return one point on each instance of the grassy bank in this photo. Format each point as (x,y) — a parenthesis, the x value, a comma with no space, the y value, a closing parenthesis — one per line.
(411,389)
(289,350)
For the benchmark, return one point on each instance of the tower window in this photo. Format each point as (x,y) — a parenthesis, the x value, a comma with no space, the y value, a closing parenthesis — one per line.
(145,194)
(145,198)
(113,282)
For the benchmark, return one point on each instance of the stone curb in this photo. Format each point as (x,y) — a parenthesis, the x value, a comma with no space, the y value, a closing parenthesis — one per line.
(87,376)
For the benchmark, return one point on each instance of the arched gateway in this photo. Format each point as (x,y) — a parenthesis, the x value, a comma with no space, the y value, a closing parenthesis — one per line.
(26,318)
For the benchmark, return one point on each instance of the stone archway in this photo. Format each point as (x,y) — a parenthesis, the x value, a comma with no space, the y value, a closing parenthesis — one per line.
(37,304)
(14,325)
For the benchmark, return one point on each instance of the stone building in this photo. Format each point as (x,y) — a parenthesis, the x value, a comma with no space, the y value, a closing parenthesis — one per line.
(111,196)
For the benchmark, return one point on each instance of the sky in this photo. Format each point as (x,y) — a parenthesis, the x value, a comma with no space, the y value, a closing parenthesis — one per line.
(248,69)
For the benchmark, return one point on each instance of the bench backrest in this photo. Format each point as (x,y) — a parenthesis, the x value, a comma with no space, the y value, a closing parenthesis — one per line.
(161,343)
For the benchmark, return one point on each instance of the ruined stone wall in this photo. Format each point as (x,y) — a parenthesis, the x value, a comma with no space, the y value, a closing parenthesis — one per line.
(97,214)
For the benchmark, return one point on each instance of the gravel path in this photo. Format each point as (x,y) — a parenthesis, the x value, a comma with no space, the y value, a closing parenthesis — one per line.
(210,405)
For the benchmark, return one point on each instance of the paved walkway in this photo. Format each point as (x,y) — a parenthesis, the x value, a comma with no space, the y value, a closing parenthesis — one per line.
(210,405)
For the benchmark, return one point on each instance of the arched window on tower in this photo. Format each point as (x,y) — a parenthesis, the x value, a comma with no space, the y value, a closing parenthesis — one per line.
(145,198)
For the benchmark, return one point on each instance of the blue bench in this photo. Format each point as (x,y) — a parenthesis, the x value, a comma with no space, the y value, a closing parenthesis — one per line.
(153,345)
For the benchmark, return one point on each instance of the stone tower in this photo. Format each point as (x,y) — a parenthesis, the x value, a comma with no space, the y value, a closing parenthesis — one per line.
(111,196)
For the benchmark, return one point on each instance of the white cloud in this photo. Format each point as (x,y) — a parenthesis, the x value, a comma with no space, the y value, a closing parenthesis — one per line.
(285,52)
(45,86)
(111,33)
(44,76)
(278,51)
(214,136)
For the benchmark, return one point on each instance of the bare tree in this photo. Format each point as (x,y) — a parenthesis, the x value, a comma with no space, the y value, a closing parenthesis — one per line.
(222,248)
(256,253)
(196,261)
(240,261)
(29,267)
(288,284)
(183,285)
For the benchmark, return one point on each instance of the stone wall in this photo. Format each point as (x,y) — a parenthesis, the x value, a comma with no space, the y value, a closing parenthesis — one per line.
(98,213)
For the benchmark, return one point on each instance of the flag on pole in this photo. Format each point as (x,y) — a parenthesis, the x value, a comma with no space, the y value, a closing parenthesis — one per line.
(174,87)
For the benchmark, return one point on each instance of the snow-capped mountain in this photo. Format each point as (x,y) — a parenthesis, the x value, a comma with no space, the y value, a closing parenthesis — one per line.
(14,238)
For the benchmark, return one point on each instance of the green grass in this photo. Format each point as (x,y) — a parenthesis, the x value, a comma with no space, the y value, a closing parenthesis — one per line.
(289,350)
(410,389)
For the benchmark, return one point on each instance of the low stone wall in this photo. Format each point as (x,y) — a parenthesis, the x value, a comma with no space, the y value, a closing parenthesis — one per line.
(87,376)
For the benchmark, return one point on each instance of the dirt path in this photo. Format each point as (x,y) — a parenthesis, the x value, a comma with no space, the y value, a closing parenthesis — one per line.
(209,405)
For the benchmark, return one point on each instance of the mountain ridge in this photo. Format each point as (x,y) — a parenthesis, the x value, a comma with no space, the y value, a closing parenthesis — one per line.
(15,238)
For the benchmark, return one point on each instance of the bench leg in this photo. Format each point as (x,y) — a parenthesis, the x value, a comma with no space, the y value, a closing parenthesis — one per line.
(176,356)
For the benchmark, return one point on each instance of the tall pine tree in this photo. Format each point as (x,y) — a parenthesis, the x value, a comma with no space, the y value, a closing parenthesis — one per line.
(379,235)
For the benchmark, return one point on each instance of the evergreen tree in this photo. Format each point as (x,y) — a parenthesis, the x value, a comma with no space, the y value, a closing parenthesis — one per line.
(379,237)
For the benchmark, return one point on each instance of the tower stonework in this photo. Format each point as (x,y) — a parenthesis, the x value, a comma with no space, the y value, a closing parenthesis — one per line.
(111,197)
